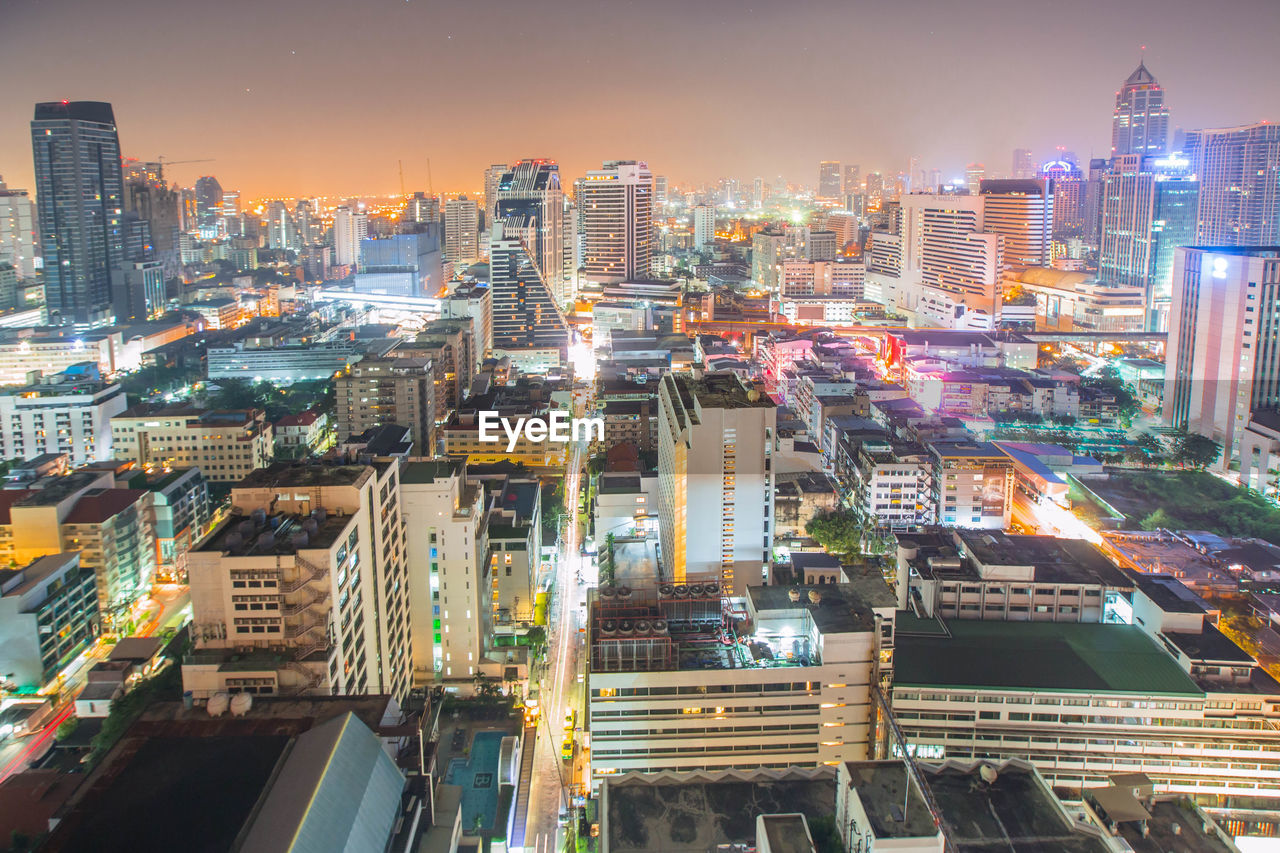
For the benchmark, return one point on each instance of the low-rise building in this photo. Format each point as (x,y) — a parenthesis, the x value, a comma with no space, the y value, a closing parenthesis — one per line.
(302,435)
(635,421)
(892,484)
(972,484)
(48,613)
(282,363)
(225,445)
(67,413)
(674,685)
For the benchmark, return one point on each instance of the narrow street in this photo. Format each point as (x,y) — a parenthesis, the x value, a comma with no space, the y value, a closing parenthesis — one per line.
(559,687)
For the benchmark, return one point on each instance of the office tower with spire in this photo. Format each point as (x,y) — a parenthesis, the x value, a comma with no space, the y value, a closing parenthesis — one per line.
(80,199)
(529,204)
(829,180)
(1239,171)
(1148,210)
(1140,124)
(19,246)
(615,205)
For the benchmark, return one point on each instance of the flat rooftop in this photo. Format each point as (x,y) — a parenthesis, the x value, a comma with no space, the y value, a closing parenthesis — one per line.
(787,833)
(723,391)
(1017,813)
(697,812)
(1056,560)
(841,607)
(241,536)
(284,474)
(1050,656)
(883,787)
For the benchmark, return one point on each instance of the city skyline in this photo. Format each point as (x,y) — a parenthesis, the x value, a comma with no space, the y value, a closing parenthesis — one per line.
(343,71)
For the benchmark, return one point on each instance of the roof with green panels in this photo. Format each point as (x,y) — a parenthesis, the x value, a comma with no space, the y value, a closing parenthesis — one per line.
(1044,656)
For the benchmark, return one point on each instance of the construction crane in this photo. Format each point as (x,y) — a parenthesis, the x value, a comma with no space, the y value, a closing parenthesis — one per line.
(403,194)
(163,162)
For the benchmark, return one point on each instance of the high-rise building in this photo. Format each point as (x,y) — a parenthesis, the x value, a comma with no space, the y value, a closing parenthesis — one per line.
(715,500)
(852,179)
(1239,171)
(973,175)
(492,177)
(1024,167)
(1141,121)
(147,198)
(530,205)
(18,228)
(209,202)
(704,226)
(421,207)
(659,192)
(615,205)
(526,315)
(231,215)
(307,590)
(945,241)
(461,232)
(376,392)
(450,589)
(80,198)
(281,232)
(1068,185)
(768,251)
(829,180)
(1148,210)
(350,228)
(1021,212)
(1220,365)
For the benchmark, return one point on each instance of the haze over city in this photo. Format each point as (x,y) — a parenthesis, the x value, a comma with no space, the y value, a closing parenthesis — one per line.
(324,97)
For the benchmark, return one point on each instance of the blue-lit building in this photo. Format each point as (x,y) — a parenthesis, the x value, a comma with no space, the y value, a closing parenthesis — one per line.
(80,199)
(403,264)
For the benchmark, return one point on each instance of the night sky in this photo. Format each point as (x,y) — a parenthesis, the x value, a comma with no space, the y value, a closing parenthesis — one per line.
(322,97)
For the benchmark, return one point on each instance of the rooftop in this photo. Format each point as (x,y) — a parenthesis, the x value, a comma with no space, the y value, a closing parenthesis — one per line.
(279,534)
(428,471)
(882,786)
(284,474)
(841,607)
(1056,560)
(1084,657)
(787,833)
(697,812)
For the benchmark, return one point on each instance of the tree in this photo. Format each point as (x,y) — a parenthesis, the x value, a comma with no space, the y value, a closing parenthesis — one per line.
(1198,451)
(839,531)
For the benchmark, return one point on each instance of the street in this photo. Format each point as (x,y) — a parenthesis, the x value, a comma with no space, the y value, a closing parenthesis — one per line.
(558,685)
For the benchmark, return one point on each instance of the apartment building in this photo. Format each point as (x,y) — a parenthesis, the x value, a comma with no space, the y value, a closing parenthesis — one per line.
(515,551)
(450,588)
(225,445)
(48,614)
(683,678)
(305,588)
(715,473)
(86,512)
(69,413)
(374,392)
(972,484)
(451,347)
(893,484)
(635,421)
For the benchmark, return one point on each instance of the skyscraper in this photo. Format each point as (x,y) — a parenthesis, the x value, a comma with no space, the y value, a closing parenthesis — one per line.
(530,205)
(704,226)
(1148,210)
(80,198)
(615,207)
(281,233)
(973,175)
(525,314)
(209,201)
(1141,121)
(349,228)
(1020,211)
(421,208)
(1023,166)
(1069,193)
(1239,171)
(461,231)
(1221,364)
(829,180)
(18,229)
(492,176)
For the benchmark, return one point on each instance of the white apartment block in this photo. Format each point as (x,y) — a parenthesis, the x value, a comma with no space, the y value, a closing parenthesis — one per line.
(60,417)
(225,445)
(972,484)
(305,588)
(672,688)
(450,594)
(615,209)
(715,476)
(893,484)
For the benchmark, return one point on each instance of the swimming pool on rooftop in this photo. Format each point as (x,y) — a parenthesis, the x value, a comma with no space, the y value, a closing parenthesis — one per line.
(477,775)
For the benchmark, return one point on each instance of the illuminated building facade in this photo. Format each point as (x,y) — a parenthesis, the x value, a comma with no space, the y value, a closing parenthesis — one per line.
(1140,124)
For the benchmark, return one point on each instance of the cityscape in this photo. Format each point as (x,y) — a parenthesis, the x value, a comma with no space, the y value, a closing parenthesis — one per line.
(352,503)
